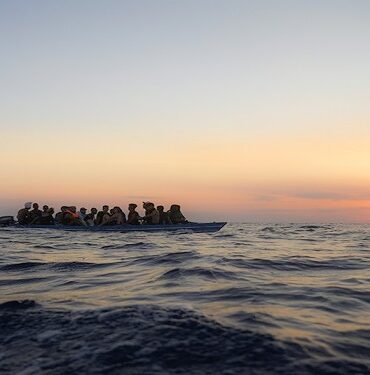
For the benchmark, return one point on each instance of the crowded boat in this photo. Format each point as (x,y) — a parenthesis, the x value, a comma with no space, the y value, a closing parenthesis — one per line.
(70,216)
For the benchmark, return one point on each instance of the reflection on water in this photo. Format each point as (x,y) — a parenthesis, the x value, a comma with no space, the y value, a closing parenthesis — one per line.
(283,297)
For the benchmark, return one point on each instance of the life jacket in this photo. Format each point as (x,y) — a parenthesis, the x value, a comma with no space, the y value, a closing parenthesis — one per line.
(73,214)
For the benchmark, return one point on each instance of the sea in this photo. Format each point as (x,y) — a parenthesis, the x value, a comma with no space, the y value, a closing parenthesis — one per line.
(251,299)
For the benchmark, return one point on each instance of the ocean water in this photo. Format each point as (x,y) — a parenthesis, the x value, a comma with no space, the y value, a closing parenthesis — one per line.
(250,299)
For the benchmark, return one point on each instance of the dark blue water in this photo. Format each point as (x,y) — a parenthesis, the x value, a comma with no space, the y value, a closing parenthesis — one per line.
(251,299)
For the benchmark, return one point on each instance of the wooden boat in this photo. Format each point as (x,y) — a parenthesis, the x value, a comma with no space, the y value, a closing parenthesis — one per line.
(192,227)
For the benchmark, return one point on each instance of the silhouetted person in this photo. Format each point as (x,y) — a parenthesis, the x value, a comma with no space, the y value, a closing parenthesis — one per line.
(35,214)
(117,217)
(176,216)
(46,217)
(71,216)
(133,216)
(23,215)
(151,214)
(102,215)
(90,218)
(82,216)
(59,217)
(164,217)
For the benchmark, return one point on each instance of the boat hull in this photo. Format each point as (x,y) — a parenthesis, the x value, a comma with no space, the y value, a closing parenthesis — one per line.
(193,227)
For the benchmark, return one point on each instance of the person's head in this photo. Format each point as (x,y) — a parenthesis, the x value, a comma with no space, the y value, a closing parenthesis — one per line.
(35,206)
(132,207)
(64,208)
(175,208)
(160,208)
(94,211)
(45,208)
(51,211)
(28,205)
(112,211)
(148,205)
(83,210)
(73,209)
(105,208)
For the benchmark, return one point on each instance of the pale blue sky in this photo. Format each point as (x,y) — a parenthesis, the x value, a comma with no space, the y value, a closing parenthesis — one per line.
(203,63)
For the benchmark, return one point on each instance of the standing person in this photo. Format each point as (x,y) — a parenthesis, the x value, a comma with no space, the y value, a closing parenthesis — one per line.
(90,218)
(35,214)
(133,216)
(151,214)
(176,215)
(164,217)
(23,215)
(101,214)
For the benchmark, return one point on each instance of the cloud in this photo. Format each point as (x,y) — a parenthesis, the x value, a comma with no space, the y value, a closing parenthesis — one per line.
(331,195)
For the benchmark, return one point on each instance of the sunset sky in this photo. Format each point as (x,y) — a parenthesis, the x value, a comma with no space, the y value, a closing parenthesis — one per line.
(240,110)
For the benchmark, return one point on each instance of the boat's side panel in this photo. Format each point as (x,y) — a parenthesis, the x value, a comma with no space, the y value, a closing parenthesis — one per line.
(194,227)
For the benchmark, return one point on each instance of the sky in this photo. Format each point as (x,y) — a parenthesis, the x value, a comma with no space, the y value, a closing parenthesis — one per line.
(254,111)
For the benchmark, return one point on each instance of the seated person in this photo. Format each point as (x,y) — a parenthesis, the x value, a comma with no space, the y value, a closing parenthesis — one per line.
(151,214)
(175,215)
(46,217)
(90,218)
(23,216)
(133,216)
(82,216)
(117,217)
(101,215)
(164,217)
(60,215)
(71,216)
(35,214)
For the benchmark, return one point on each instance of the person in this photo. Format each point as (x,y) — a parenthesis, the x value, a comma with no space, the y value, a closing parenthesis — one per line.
(164,217)
(35,214)
(46,217)
(90,218)
(101,215)
(71,217)
(133,217)
(151,213)
(59,217)
(176,215)
(82,216)
(23,215)
(117,217)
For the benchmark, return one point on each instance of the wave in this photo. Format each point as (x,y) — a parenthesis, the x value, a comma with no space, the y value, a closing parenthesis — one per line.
(206,273)
(60,266)
(21,266)
(167,258)
(134,245)
(44,247)
(18,305)
(297,263)
(147,339)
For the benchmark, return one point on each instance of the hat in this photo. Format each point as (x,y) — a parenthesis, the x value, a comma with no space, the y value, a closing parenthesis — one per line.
(28,205)
(133,205)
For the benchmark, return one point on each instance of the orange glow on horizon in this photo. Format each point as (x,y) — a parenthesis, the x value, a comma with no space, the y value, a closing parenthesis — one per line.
(292,176)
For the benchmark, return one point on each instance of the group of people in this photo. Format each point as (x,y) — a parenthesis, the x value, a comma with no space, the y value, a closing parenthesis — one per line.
(69,215)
